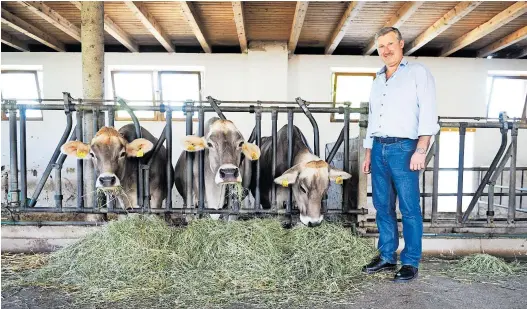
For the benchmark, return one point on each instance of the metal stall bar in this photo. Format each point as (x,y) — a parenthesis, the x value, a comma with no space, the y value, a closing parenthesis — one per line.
(486,178)
(435,181)
(214,104)
(492,183)
(23,159)
(56,153)
(190,165)
(335,148)
(274,120)
(80,164)
(170,174)
(460,171)
(290,118)
(512,174)
(95,128)
(146,168)
(345,195)
(316,133)
(258,126)
(201,155)
(111,118)
(13,180)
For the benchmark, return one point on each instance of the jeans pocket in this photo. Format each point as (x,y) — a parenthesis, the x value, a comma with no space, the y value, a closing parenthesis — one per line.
(408,145)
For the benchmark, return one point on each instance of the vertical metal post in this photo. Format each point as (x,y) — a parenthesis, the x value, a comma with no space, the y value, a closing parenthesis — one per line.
(512,174)
(316,133)
(80,165)
(111,118)
(345,192)
(201,132)
(258,116)
(290,156)
(23,158)
(13,179)
(362,189)
(190,165)
(95,128)
(274,119)
(490,205)
(168,139)
(145,168)
(521,185)
(423,190)
(58,186)
(492,182)
(435,184)
(460,171)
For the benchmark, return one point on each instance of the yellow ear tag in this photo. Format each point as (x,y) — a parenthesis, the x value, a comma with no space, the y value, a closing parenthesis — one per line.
(191,147)
(81,154)
(253,155)
(339,180)
(285,183)
(140,153)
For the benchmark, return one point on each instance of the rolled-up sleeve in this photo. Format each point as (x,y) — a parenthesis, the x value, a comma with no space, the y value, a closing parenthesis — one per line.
(368,140)
(426,98)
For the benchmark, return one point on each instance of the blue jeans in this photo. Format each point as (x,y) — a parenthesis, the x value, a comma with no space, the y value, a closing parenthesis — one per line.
(391,175)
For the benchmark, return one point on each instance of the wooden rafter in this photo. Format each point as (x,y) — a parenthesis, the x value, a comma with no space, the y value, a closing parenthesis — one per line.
(445,22)
(115,31)
(151,24)
(239,19)
(345,21)
(45,12)
(14,42)
(191,16)
(512,38)
(31,31)
(512,12)
(402,15)
(298,21)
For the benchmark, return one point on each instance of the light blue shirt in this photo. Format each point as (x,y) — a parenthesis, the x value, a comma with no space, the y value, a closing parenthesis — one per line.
(404,106)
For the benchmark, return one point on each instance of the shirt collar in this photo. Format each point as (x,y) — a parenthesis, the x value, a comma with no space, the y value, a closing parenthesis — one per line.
(403,63)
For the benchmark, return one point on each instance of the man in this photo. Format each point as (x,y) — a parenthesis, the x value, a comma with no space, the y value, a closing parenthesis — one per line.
(401,121)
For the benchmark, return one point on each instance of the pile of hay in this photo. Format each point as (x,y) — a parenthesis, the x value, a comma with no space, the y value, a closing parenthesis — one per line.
(208,262)
(485,265)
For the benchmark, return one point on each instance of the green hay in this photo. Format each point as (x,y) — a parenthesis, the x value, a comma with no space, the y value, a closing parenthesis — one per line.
(209,262)
(485,265)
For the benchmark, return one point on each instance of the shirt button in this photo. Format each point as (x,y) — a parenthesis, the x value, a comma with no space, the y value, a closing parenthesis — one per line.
(381,115)
(384,94)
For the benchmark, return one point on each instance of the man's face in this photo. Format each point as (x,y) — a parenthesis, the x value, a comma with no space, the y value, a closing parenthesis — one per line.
(390,49)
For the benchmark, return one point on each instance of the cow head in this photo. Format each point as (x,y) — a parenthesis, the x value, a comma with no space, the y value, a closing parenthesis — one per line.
(310,181)
(108,150)
(224,144)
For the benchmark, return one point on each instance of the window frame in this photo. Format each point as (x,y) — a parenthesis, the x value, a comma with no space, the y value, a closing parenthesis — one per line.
(39,92)
(498,76)
(157,91)
(334,80)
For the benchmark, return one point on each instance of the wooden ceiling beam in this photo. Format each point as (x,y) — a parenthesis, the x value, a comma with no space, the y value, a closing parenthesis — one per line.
(512,38)
(193,21)
(239,19)
(343,25)
(31,31)
(298,22)
(151,24)
(445,22)
(114,30)
(10,40)
(51,16)
(402,15)
(509,14)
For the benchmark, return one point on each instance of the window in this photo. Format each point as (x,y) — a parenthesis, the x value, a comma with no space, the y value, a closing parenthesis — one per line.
(350,87)
(144,87)
(449,158)
(25,87)
(506,93)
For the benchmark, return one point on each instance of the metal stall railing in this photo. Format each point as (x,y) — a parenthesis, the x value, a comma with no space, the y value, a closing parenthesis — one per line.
(212,105)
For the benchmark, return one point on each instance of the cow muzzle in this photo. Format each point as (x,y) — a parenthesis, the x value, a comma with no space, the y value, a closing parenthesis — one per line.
(107,181)
(311,222)
(228,173)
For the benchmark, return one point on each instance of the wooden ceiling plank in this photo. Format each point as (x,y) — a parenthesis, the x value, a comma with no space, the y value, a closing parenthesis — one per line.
(151,24)
(239,19)
(445,22)
(192,19)
(507,41)
(51,16)
(402,15)
(14,42)
(351,12)
(31,31)
(298,22)
(509,14)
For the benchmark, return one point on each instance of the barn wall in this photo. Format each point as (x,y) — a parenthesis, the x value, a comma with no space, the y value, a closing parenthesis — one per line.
(265,73)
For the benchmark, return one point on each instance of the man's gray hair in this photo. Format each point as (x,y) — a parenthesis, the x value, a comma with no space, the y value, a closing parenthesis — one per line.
(387,30)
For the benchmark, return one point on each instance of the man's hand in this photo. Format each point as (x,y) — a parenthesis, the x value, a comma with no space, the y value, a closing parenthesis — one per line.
(418,161)
(366,165)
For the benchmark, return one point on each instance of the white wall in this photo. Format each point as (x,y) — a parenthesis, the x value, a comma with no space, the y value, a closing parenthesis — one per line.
(265,73)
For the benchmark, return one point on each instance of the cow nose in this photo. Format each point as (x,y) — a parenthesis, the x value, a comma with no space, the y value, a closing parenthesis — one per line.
(313,224)
(228,172)
(107,181)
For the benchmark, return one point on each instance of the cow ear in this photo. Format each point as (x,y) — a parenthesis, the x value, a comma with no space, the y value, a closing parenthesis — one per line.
(338,176)
(289,176)
(138,147)
(251,151)
(193,143)
(76,149)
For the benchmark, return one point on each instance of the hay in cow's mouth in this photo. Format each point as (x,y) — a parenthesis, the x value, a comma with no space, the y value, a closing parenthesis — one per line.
(209,262)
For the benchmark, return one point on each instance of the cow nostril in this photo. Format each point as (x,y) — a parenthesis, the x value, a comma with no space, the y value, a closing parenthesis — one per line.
(228,172)
(222,174)
(108,180)
(310,224)
(236,173)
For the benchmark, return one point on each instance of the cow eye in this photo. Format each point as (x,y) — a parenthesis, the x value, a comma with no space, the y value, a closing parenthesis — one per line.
(303,189)
(92,155)
(122,154)
(209,144)
(241,144)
